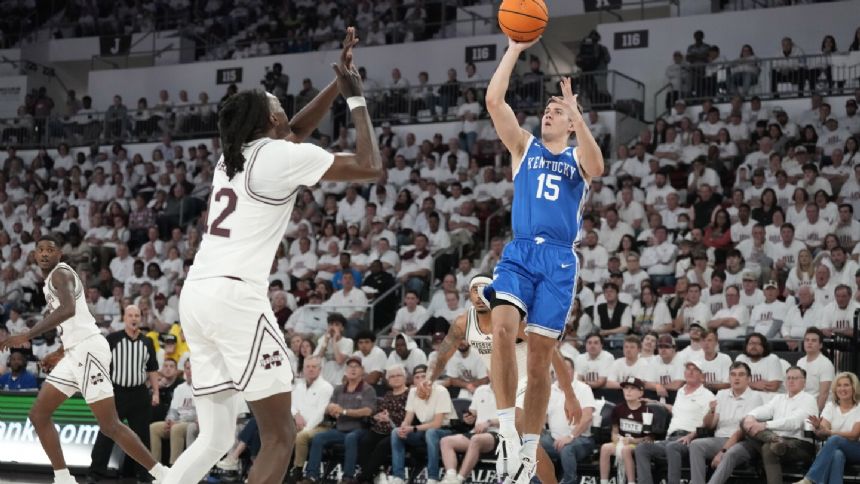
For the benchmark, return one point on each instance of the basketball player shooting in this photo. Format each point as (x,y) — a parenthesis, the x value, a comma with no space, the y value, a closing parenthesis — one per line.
(475,327)
(236,345)
(82,364)
(535,279)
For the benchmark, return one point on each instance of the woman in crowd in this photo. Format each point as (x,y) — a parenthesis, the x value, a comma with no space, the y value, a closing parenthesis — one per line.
(745,71)
(718,234)
(626,247)
(796,212)
(375,450)
(803,271)
(840,425)
(763,214)
(649,311)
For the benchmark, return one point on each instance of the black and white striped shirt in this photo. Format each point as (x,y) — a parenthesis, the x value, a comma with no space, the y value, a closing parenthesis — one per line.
(132,359)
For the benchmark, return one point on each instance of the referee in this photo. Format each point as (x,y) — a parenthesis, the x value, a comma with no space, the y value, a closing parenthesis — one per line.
(133,363)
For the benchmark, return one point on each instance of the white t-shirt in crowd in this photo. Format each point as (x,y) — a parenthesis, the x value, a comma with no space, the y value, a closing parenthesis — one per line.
(621,371)
(840,422)
(817,371)
(689,410)
(426,410)
(716,370)
(590,370)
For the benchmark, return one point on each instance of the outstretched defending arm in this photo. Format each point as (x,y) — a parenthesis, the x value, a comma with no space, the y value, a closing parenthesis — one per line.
(366,164)
(306,121)
(504,120)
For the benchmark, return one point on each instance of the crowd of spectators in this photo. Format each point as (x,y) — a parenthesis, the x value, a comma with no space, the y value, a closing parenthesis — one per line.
(733,227)
(252,28)
(704,71)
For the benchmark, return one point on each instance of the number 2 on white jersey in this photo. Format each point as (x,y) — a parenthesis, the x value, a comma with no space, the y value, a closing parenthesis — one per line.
(547,187)
(215,228)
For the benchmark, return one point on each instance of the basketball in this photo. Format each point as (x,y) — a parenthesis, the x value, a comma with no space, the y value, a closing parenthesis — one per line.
(523,20)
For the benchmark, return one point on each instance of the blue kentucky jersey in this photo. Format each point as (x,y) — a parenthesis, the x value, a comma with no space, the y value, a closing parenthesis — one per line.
(549,195)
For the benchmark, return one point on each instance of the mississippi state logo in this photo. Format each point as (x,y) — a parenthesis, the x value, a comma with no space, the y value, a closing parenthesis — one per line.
(97,378)
(267,361)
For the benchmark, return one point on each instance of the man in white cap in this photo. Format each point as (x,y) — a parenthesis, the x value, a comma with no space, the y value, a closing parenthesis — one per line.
(688,412)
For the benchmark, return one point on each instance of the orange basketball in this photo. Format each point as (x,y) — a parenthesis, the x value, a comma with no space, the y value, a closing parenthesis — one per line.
(523,20)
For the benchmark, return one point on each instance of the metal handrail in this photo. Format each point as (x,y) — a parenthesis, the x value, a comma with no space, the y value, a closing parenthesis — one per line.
(716,80)
(384,104)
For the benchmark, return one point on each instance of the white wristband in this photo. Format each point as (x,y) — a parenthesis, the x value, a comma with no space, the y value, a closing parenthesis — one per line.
(356,102)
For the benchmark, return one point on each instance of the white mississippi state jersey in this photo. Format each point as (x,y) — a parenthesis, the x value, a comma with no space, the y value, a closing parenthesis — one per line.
(80,326)
(483,344)
(249,214)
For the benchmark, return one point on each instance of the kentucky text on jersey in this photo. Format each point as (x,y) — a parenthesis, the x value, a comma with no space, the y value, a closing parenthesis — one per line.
(551,194)
(535,163)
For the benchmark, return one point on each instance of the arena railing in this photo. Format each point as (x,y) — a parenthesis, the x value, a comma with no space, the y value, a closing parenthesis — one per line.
(601,90)
(191,121)
(598,90)
(771,77)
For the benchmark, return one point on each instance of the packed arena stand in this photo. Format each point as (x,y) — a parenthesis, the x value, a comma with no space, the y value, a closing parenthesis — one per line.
(725,232)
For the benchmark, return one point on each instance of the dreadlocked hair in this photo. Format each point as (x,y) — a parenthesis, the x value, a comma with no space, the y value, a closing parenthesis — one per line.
(243,118)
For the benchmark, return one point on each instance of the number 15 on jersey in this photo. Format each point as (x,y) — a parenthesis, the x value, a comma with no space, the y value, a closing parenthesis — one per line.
(548,186)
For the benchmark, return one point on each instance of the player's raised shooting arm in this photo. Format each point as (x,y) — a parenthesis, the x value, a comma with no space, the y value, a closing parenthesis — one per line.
(366,164)
(64,283)
(306,121)
(455,335)
(505,121)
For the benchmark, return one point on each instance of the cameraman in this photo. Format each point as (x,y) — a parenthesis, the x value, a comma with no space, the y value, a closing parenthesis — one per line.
(277,83)
(593,59)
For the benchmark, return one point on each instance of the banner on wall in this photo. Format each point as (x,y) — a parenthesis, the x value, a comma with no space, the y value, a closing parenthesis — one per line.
(20,445)
(12,92)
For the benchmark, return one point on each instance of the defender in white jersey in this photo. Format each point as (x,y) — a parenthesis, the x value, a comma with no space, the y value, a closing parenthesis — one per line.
(82,364)
(475,327)
(234,341)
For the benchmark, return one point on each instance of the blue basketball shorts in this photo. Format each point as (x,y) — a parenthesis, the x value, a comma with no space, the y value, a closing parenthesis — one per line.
(539,278)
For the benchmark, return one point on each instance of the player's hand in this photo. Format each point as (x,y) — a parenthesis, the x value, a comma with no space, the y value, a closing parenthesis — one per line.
(14,341)
(155,398)
(349,42)
(521,46)
(50,360)
(348,81)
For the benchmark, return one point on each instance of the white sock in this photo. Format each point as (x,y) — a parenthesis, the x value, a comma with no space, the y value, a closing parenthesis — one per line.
(507,421)
(529,449)
(62,474)
(604,481)
(460,478)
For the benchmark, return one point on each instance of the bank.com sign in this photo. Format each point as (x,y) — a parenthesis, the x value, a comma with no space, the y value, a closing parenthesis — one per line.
(20,444)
